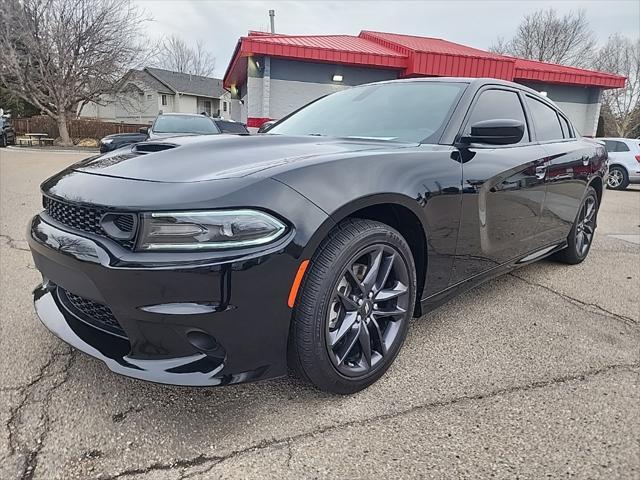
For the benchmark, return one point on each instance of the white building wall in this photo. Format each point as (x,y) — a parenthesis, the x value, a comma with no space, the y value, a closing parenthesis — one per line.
(186,104)
(287,95)
(133,107)
(170,106)
(128,107)
(253,98)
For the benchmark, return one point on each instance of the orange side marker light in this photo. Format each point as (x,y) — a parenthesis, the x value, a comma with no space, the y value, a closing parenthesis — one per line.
(296,283)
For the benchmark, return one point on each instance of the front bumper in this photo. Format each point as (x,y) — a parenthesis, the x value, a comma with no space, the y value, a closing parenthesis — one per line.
(189,319)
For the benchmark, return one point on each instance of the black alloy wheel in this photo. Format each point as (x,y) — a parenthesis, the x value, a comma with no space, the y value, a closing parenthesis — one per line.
(353,310)
(583,230)
(586,226)
(368,310)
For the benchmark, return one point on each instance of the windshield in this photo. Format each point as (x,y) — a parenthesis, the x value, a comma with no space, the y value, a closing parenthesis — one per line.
(400,111)
(200,125)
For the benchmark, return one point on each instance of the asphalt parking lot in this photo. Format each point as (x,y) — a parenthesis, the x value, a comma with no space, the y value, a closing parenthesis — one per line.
(532,375)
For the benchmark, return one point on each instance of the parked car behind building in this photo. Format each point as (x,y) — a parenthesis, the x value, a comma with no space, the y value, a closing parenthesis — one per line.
(171,125)
(7,133)
(624,162)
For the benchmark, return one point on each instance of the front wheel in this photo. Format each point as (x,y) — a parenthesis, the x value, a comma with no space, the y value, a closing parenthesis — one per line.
(618,178)
(353,311)
(581,234)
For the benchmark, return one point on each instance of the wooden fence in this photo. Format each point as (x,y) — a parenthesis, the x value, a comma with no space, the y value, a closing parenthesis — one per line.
(77,128)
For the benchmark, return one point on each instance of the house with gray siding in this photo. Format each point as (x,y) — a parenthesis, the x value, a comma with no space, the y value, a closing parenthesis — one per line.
(271,75)
(142,94)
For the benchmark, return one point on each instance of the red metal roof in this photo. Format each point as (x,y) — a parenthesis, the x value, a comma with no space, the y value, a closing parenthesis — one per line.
(325,48)
(410,55)
(552,73)
(410,43)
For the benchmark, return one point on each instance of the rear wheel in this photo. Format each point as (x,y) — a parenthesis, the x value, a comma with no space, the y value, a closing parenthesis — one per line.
(582,232)
(354,307)
(618,178)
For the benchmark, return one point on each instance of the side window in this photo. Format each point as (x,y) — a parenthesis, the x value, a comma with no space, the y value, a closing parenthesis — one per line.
(622,147)
(614,146)
(498,104)
(566,128)
(546,121)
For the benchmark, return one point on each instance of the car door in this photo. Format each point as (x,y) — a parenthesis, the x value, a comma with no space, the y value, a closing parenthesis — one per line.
(503,189)
(569,166)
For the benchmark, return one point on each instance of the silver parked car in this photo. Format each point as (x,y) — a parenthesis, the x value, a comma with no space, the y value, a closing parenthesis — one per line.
(624,161)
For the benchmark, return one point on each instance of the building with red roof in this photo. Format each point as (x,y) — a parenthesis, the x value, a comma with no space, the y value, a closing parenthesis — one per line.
(273,74)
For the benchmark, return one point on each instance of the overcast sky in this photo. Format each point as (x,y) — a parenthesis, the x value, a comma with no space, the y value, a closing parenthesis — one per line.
(476,23)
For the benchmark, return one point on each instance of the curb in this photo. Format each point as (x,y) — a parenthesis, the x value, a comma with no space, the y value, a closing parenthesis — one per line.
(14,148)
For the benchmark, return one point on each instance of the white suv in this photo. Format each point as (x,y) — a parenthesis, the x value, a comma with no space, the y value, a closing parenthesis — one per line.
(624,161)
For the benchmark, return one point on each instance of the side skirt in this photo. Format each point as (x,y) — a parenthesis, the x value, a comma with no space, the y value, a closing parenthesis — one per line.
(434,301)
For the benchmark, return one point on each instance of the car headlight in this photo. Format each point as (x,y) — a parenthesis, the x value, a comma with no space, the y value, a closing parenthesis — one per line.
(106,141)
(208,230)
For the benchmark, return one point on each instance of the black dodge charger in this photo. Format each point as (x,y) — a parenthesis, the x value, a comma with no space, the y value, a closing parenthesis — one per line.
(224,259)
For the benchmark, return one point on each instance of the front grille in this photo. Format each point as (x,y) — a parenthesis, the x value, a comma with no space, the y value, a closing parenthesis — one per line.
(87,219)
(124,223)
(75,216)
(93,313)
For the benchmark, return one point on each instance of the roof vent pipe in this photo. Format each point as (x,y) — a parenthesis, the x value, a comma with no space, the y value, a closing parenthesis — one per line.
(272,18)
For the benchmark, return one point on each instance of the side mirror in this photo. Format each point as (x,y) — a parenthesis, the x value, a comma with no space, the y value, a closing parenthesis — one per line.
(144,130)
(495,132)
(266,126)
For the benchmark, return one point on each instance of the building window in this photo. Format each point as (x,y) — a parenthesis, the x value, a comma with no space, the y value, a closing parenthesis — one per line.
(164,99)
(207,107)
(149,97)
(224,106)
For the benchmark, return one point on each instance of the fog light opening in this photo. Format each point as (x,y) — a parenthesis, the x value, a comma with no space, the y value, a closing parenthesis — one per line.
(203,341)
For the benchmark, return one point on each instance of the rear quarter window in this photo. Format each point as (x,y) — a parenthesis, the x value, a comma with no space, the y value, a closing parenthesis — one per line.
(616,146)
(566,128)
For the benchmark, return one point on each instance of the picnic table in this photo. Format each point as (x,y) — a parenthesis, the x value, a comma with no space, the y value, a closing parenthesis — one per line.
(41,137)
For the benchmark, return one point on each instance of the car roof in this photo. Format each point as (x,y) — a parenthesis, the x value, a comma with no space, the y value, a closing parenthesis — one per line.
(178,114)
(470,80)
(476,83)
(619,139)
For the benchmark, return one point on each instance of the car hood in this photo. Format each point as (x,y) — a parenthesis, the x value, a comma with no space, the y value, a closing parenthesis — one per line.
(202,158)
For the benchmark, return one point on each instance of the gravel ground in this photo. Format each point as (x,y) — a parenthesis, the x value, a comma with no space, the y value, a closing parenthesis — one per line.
(534,374)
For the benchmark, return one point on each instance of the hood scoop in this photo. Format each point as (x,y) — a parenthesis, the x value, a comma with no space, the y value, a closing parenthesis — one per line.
(144,148)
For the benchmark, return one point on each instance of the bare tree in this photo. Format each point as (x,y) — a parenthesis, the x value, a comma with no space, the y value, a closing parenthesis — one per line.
(59,54)
(548,37)
(621,106)
(176,55)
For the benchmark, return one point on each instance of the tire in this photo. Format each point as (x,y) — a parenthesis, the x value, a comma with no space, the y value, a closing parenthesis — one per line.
(330,330)
(3,141)
(618,178)
(581,235)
